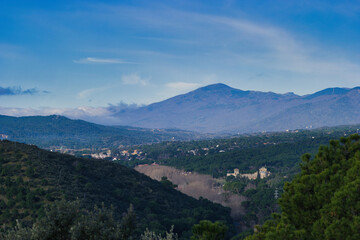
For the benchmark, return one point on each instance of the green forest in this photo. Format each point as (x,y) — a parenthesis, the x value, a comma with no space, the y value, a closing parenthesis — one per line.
(318,196)
(58,131)
(280,152)
(31,178)
(322,201)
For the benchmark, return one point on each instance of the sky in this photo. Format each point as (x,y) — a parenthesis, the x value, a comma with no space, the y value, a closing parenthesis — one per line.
(85,57)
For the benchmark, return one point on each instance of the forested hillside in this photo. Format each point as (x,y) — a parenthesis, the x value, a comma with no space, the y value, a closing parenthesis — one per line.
(31,177)
(280,152)
(59,131)
(322,201)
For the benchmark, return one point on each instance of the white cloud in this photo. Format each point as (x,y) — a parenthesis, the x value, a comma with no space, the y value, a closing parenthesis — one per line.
(249,44)
(134,79)
(281,50)
(92,60)
(17,112)
(88,92)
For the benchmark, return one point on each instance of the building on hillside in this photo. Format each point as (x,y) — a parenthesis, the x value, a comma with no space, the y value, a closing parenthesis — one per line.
(136,152)
(251,176)
(262,172)
(101,155)
(235,173)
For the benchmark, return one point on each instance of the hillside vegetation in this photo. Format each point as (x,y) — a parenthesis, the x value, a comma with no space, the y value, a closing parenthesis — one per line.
(58,131)
(31,177)
(280,152)
(322,201)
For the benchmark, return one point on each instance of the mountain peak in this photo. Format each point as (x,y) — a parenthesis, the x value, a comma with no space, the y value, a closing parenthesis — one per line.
(218,107)
(329,91)
(215,87)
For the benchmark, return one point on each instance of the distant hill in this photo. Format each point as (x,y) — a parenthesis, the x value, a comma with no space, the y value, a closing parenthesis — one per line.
(220,108)
(59,131)
(279,151)
(31,177)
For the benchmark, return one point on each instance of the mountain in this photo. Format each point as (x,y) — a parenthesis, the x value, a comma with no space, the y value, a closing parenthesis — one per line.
(59,131)
(219,108)
(31,177)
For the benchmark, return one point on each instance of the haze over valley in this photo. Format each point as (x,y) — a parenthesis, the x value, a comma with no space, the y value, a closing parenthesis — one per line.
(179,120)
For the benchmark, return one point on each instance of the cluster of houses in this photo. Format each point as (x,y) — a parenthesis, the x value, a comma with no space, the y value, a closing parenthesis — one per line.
(127,153)
(124,153)
(262,173)
(101,155)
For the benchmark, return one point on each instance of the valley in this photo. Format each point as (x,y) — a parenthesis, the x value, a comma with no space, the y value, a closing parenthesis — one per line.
(197,185)
(203,169)
(179,120)
(243,174)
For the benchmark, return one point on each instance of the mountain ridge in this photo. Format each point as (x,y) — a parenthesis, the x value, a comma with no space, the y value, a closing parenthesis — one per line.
(56,130)
(219,108)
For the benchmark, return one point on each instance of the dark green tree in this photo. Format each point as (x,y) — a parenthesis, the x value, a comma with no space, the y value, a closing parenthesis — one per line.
(322,202)
(164,180)
(207,230)
(67,221)
(97,224)
(149,235)
(128,224)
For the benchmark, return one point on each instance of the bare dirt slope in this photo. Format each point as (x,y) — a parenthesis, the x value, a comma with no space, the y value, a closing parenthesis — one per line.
(197,185)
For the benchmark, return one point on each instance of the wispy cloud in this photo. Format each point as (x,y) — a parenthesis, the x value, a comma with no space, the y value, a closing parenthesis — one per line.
(169,40)
(10,91)
(241,41)
(122,106)
(11,52)
(93,60)
(101,115)
(90,91)
(135,79)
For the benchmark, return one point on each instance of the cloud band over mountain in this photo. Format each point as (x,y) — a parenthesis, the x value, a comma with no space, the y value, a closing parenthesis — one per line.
(220,108)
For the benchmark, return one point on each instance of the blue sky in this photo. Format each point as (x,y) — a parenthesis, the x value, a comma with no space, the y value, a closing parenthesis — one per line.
(80,57)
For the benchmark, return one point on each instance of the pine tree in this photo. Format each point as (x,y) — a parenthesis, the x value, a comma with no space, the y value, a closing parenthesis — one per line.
(323,201)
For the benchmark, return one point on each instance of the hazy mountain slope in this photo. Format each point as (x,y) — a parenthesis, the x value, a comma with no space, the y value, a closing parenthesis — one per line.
(322,110)
(220,108)
(61,131)
(30,177)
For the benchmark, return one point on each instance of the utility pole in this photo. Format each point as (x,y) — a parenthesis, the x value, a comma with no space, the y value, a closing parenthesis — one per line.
(276,193)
